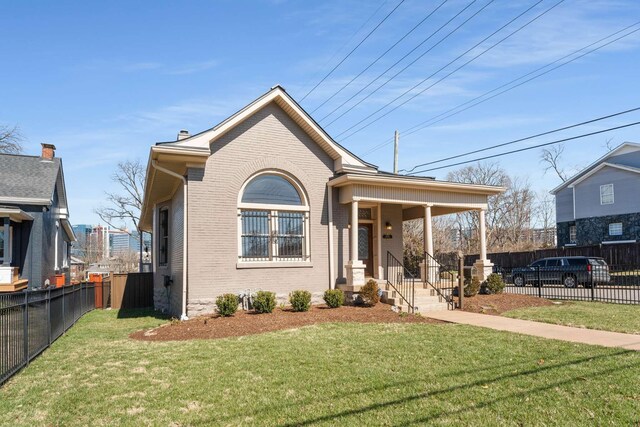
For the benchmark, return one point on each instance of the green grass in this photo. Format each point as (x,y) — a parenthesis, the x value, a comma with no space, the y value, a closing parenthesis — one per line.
(592,315)
(330,374)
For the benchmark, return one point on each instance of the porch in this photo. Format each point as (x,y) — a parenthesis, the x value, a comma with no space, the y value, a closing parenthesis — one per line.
(11,248)
(378,206)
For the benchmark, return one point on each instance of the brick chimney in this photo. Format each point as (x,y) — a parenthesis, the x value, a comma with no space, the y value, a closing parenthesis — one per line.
(48,151)
(183,134)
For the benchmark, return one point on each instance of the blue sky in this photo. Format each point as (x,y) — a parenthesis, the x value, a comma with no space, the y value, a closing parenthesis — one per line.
(105,80)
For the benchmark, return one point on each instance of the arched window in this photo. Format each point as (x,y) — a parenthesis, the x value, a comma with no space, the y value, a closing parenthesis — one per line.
(273,219)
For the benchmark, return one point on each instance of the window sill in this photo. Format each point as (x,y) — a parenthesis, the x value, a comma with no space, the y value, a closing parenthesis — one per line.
(273,264)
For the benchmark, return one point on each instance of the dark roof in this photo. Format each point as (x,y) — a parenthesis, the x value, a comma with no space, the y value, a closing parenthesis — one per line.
(27,177)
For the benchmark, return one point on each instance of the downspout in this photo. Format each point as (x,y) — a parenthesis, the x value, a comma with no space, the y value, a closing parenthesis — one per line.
(332,276)
(155,165)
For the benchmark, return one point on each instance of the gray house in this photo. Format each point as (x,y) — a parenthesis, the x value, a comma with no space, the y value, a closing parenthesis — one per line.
(35,234)
(268,200)
(601,204)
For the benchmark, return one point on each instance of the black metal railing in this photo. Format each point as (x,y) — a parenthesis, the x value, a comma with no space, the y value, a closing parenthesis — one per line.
(401,280)
(607,283)
(31,320)
(441,278)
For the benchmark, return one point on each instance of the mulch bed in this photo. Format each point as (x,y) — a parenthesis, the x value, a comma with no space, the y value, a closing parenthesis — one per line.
(250,323)
(498,304)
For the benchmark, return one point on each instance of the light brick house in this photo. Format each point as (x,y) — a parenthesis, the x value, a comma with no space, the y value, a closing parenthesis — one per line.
(266,199)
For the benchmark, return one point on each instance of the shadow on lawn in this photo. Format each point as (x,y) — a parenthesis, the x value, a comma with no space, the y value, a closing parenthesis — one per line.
(132,313)
(476,383)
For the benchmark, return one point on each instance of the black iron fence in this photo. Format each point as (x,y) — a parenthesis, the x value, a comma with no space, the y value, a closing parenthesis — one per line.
(606,283)
(401,281)
(31,320)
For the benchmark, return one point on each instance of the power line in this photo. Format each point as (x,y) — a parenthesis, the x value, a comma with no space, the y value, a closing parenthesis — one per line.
(431,121)
(527,148)
(526,138)
(381,56)
(447,75)
(403,57)
(353,50)
(347,42)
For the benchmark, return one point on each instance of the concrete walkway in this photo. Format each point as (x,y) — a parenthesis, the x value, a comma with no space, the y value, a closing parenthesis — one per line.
(538,329)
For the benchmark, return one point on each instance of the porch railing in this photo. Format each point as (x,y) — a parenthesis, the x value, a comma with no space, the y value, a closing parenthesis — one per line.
(441,278)
(401,280)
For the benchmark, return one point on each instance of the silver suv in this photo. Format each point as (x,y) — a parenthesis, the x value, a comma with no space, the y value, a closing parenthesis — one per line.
(568,271)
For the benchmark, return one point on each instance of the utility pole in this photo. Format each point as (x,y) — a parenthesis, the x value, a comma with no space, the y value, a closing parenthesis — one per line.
(396,141)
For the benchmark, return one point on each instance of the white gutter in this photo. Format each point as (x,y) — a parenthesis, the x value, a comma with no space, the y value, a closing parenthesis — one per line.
(155,165)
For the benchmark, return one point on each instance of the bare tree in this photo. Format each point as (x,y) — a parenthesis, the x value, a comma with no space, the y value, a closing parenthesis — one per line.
(552,158)
(125,206)
(545,218)
(10,140)
(509,215)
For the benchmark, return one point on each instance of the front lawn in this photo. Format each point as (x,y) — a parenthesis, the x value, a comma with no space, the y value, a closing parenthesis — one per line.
(329,374)
(592,315)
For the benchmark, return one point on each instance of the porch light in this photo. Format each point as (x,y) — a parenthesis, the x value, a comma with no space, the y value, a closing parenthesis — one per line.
(388,226)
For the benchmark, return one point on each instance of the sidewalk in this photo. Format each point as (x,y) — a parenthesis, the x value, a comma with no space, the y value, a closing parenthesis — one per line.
(538,329)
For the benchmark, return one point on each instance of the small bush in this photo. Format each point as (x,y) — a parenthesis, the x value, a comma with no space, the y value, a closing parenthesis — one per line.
(264,302)
(227,304)
(369,293)
(471,287)
(494,284)
(300,300)
(334,297)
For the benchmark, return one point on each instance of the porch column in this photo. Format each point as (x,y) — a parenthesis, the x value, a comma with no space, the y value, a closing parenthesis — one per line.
(428,231)
(483,236)
(355,268)
(483,266)
(428,268)
(354,231)
(6,261)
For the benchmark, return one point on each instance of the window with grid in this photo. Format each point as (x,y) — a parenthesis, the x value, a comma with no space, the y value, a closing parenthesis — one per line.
(606,194)
(572,234)
(273,220)
(163,241)
(615,229)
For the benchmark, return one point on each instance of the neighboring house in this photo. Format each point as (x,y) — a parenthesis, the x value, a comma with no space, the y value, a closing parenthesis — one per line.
(601,204)
(35,234)
(268,200)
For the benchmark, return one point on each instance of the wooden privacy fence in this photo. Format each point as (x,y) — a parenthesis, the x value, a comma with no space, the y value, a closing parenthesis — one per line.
(618,254)
(131,290)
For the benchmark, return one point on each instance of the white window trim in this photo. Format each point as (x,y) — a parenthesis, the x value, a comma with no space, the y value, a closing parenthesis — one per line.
(603,187)
(273,210)
(616,224)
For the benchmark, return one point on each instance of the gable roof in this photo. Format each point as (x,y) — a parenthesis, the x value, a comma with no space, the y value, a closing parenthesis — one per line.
(29,179)
(343,157)
(624,148)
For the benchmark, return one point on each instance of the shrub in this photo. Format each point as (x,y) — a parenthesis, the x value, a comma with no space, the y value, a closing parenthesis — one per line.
(471,287)
(494,284)
(227,304)
(369,293)
(334,297)
(264,302)
(300,300)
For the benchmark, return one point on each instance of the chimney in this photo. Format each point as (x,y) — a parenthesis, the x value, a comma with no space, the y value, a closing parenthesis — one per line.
(48,151)
(183,134)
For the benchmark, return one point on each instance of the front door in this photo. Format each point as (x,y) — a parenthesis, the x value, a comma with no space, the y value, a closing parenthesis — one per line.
(365,247)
